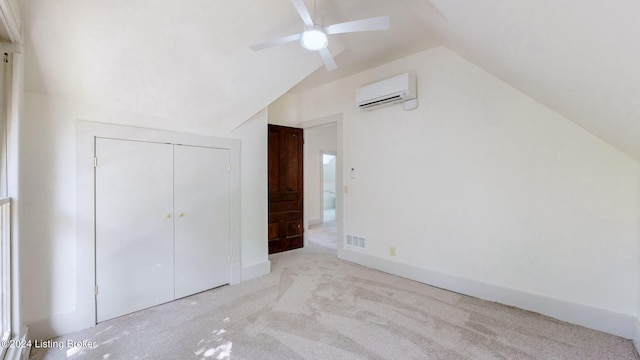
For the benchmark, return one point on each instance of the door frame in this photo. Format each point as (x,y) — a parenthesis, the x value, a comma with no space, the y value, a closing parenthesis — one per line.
(86,133)
(338,119)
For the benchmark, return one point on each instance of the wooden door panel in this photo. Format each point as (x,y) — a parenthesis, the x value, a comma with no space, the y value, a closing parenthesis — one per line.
(284,206)
(291,196)
(293,228)
(274,230)
(274,163)
(292,155)
(285,188)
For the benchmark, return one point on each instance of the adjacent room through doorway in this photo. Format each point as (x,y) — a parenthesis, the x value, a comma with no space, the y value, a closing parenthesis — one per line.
(321,201)
(328,187)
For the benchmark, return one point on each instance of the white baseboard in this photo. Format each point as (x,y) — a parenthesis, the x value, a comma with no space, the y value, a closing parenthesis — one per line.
(81,318)
(236,274)
(636,334)
(256,270)
(25,353)
(19,352)
(591,317)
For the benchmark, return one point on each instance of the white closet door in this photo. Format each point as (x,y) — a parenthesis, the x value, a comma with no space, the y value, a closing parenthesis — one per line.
(134,226)
(201,193)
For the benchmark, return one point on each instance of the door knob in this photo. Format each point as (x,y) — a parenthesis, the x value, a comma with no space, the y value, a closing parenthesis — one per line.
(168,216)
(181,214)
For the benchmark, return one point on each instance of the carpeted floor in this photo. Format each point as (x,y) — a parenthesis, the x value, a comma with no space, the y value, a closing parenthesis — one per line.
(314,306)
(325,234)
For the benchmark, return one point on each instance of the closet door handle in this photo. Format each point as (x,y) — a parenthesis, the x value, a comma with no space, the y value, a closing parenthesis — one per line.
(168,216)
(181,214)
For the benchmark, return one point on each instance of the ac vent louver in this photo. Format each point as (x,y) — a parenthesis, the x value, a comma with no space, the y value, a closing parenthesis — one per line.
(397,89)
(356,241)
(380,102)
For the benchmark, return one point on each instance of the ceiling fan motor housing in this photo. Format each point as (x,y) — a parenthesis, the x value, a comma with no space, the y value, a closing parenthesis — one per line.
(314,38)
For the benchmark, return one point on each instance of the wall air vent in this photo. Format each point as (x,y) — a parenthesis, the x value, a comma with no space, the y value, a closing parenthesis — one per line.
(392,99)
(356,241)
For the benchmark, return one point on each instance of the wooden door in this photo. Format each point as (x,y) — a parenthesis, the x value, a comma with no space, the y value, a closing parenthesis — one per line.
(285,188)
(134,226)
(201,219)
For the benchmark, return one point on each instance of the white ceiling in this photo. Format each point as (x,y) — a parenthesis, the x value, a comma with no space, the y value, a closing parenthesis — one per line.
(580,58)
(190,60)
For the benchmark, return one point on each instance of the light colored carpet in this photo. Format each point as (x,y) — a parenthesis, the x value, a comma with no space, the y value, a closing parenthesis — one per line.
(314,306)
(325,234)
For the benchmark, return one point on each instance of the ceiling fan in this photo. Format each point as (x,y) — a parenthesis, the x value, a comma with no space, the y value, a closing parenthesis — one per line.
(314,37)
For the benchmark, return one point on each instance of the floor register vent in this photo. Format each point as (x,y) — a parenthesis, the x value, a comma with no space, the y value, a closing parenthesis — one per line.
(356,241)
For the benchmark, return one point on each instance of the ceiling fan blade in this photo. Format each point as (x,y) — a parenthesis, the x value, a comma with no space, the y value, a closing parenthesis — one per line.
(327,59)
(279,41)
(304,13)
(370,24)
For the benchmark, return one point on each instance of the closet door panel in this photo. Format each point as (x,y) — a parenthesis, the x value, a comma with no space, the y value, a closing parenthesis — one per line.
(134,226)
(201,193)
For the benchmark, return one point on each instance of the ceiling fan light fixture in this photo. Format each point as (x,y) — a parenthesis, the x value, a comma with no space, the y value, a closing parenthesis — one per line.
(314,39)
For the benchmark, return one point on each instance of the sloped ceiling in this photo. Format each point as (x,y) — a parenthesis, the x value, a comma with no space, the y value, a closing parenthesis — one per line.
(182,60)
(190,60)
(580,58)
(186,60)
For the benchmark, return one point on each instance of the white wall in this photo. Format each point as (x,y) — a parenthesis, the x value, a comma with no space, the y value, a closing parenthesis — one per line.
(254,202)
(47,226)
(51,273)
(284,111)
(484,191)
(636,321)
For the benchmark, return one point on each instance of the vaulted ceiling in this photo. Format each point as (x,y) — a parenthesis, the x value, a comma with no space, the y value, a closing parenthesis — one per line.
(190,60)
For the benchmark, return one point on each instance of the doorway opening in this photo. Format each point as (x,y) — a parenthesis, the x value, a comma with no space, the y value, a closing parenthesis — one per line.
(322,172)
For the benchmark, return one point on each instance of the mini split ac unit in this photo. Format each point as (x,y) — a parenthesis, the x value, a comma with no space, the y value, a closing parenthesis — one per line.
(394,90)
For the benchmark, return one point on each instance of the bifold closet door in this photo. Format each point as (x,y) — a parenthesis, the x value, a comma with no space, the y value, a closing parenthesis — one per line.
(134,226)
(201,193)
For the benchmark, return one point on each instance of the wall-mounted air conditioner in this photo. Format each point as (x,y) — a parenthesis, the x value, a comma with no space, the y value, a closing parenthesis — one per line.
(394,90)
